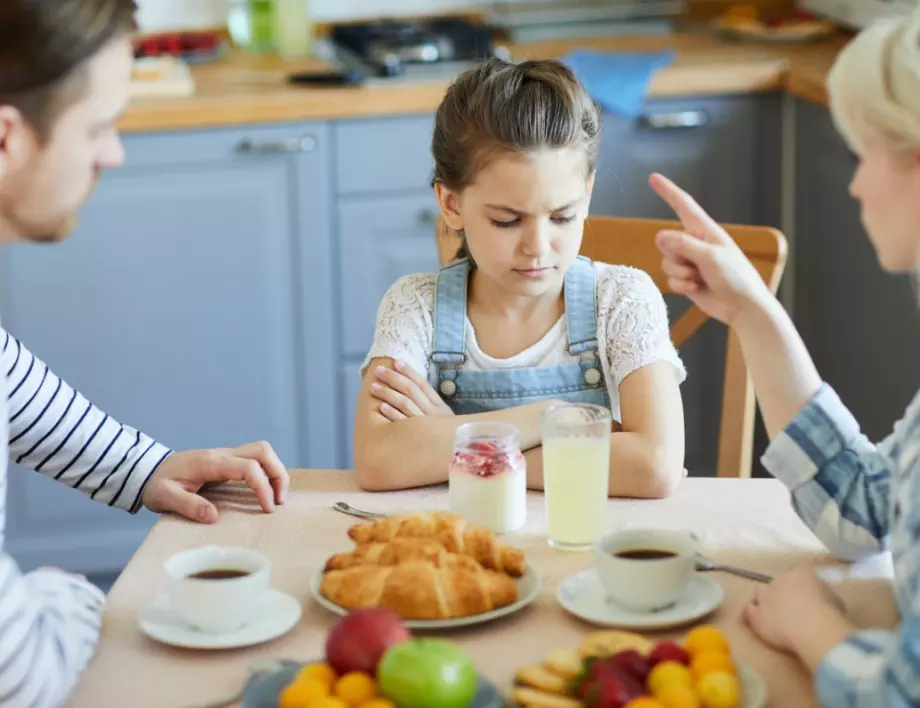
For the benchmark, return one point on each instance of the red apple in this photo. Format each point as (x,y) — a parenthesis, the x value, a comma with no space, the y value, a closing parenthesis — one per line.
(358,640)
(668,651)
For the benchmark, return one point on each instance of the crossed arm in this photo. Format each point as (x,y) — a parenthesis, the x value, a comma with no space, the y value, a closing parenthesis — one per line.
(404,432)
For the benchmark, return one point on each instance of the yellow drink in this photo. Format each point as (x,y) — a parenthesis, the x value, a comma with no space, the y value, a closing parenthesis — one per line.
(575,479)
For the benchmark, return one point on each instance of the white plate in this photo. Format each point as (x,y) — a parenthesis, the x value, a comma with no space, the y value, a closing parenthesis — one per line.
(280,612)
(528,586)
(583,595)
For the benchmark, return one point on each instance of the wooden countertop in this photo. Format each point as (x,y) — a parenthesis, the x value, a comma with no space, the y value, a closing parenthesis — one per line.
(245,89)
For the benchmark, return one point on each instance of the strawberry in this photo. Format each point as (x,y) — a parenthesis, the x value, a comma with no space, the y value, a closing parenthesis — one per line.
(604,684)
(633,663)
(668,651)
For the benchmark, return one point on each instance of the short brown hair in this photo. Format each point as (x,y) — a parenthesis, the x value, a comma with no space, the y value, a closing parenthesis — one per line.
(500,107)
(45,43)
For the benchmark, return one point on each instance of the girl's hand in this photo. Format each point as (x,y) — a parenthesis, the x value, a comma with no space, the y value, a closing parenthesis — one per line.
(796,610)
(405,394)
(703,262)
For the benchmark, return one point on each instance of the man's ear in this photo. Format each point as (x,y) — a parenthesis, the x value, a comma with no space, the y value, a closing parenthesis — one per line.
(449,202)
(17,138)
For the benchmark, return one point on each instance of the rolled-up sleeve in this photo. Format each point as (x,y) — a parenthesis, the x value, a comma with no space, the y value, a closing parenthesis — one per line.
(840,481)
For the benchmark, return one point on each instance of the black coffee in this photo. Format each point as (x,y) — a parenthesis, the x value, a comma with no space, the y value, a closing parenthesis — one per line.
(644,554)
(219,574)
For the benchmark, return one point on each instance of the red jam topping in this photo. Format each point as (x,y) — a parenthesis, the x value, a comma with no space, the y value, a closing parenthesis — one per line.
(485,459)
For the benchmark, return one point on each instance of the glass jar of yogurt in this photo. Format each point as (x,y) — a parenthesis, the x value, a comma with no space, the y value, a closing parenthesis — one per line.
(488,476)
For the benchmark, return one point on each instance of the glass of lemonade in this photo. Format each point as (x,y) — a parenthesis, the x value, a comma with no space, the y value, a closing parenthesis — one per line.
(576,471)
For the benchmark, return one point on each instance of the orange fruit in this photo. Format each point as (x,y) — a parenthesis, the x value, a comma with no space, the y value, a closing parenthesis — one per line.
(669,673)
(301,694)
(329,702)
(644,702)
(355,687)
(719,690)
(319,672)
(676,695)
(706,637)
(377,703)
(708,660)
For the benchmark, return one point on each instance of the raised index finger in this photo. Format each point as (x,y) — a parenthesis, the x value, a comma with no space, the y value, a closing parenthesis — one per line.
(692,215)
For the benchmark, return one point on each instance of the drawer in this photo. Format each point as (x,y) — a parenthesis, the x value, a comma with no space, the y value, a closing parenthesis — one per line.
(380,239)
(383,155)
(219,145)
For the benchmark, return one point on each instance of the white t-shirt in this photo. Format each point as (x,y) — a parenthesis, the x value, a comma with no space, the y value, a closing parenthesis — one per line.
(632,330)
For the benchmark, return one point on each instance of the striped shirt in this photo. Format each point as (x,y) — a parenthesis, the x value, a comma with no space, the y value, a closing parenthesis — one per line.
(49,621)
(860,499)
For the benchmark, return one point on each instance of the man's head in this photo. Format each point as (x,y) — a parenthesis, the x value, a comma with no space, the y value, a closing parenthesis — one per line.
(65,71)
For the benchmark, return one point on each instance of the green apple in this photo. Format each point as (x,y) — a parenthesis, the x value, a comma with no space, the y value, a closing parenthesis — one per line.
(427,673)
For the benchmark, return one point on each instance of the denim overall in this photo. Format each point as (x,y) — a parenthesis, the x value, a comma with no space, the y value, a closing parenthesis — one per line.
(468,392)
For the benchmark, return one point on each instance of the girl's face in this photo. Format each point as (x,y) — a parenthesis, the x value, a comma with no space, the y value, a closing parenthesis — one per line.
(523,217)
(887,186)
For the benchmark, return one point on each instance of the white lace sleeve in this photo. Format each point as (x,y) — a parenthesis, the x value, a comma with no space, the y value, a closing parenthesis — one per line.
(633,322)
(405,323)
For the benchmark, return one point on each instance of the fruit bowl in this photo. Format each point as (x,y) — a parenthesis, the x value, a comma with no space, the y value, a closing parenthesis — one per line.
(619,669)
(263,690)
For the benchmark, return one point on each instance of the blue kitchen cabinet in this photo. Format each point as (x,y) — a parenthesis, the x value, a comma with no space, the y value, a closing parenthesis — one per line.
(714,147)
(192,302)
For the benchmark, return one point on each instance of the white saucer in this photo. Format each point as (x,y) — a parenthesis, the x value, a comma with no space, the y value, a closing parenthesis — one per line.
(583,595)
(279,615)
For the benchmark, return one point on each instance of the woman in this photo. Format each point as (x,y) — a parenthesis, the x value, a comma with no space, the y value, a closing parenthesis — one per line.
(858,498)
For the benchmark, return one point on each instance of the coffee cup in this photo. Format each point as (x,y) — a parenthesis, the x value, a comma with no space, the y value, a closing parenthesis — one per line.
(217,588)
(645,570)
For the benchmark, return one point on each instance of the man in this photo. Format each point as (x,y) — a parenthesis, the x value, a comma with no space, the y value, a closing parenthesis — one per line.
(65,69)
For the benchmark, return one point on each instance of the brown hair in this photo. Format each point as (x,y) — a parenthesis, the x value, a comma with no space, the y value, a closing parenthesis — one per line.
(498,107)
(44,45)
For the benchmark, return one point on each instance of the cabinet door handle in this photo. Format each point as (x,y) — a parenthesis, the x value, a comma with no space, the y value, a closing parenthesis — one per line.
(270,147)
(676,119)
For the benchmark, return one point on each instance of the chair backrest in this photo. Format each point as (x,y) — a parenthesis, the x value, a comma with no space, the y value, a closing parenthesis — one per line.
(625,241)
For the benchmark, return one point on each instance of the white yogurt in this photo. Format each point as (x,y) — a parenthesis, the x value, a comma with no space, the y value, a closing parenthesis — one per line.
(488,477)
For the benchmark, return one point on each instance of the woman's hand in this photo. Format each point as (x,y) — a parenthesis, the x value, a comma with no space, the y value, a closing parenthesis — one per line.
(703,262)
(798,613)
(403,393)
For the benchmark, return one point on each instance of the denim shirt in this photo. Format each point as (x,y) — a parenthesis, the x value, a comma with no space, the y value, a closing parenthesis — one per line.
(860,499)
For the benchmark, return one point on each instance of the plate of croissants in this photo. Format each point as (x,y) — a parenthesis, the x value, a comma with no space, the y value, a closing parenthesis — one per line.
(432,568)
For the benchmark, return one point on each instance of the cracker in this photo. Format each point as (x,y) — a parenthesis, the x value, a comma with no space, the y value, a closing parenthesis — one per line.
(611,641)
(566,663)
(540,678)
(532,698)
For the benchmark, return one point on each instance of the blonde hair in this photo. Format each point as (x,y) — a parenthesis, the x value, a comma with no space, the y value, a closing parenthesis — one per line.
(874,86)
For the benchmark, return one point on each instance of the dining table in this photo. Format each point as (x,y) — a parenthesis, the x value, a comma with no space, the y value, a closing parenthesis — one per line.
(747,522)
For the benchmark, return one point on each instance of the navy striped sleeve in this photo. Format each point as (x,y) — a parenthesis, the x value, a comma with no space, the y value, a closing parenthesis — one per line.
(54,430)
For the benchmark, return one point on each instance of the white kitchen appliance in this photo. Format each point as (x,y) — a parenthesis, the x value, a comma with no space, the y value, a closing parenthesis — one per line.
(856,14)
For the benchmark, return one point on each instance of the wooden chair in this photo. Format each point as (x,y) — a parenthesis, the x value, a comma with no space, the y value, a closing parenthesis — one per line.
(632,242)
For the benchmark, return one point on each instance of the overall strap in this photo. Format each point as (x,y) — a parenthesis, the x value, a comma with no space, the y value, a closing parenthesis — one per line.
(450,324)
(581,316)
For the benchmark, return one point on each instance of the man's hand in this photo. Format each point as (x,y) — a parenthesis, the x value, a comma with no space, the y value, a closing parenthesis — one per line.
(174,486)
(403,393)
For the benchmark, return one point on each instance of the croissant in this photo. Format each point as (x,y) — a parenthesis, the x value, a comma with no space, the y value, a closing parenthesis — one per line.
(420,589)
(399,550)
(451,530)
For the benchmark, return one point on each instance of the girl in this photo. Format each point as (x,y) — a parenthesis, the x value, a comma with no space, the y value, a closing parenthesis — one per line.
(858,498)
(519,322)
